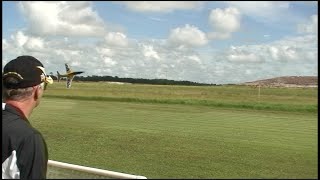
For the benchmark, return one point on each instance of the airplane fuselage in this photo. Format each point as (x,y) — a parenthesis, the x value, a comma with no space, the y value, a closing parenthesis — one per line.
(69,75)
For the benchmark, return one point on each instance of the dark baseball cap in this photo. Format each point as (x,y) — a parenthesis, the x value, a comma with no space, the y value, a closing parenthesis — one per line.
(27,71)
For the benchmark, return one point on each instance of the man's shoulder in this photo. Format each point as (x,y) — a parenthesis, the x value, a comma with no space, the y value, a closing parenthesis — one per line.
(14,124)
(9,113)
(9,119)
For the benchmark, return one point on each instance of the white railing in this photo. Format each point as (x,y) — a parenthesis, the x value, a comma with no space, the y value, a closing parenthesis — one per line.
(96,171)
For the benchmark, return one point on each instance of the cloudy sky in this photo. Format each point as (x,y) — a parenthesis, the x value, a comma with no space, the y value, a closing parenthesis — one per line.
(201,41)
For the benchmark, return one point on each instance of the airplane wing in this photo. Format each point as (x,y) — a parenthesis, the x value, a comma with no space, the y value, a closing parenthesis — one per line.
(78,72)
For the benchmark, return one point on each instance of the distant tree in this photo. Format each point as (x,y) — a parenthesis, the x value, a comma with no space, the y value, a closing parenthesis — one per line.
(138,80)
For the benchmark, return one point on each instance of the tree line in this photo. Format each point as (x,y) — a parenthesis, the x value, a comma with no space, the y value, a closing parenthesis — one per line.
(95,78)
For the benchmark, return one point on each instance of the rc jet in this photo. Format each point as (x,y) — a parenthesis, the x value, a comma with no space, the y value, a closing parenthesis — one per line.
(69,75)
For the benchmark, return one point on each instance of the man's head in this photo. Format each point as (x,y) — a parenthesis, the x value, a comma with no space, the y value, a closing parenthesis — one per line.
(23,77)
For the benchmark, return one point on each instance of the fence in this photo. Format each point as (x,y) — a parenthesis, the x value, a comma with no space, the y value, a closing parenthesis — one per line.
(60,170)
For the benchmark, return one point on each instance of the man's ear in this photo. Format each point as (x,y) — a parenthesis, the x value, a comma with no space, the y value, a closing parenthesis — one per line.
(36,93)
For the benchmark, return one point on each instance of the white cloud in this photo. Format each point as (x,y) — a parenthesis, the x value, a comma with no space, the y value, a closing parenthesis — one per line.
(116,39)
(227,20)
(243,58)
(224,22)
(194,58)
(310,27)
(5,44)
(34,44)
(240,55)
(284,53)
(274,51)
(19,38)
(248,71)
(105,51)
(109,62)
(75,63)
(161,6)
(286,57)
(188,35)
(150,53)
(261,10)
(300,49)
(64,18)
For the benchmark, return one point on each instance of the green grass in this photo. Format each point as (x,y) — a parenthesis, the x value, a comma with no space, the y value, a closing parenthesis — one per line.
(159,140)
(283,99)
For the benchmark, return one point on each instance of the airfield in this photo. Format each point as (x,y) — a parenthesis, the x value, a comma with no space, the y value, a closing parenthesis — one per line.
(165,131)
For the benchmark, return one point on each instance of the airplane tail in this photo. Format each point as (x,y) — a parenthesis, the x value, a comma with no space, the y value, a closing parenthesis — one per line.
(58,75)
(68,70)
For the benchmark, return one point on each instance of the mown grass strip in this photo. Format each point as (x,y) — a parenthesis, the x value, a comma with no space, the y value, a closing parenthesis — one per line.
(245,105)
(180,141)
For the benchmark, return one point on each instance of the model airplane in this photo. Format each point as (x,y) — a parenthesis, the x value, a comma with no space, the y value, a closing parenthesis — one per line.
(69,75)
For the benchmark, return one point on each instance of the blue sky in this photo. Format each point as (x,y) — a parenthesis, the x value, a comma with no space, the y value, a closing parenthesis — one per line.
(201,41)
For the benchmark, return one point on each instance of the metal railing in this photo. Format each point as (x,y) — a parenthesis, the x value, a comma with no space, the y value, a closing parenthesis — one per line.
(102,172)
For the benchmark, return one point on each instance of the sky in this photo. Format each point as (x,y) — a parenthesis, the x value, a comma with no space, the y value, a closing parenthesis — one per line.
(217,42)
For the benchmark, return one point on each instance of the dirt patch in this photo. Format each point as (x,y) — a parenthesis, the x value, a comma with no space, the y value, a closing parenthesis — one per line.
(287,81)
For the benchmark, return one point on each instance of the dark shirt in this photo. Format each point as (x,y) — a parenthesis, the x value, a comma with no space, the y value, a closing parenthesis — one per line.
(24,151)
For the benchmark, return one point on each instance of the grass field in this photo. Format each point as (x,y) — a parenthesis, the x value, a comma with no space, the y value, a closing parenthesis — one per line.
(181,131)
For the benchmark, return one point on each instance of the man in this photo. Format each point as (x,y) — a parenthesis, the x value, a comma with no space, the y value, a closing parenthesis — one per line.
(24,151)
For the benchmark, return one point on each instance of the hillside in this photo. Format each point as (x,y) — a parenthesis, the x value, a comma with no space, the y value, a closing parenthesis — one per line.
(287,81)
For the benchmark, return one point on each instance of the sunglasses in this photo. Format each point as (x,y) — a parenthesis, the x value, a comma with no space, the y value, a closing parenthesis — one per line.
(47,80)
